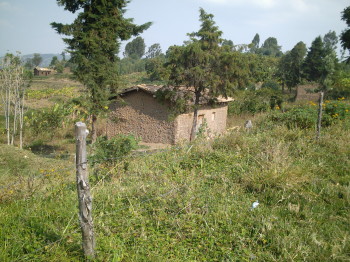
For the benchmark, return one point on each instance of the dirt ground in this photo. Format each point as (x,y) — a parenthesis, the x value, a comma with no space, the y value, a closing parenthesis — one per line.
(152,146)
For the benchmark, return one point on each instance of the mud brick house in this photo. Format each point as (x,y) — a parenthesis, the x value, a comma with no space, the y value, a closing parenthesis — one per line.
(39,71)
(140,113)
(306,93)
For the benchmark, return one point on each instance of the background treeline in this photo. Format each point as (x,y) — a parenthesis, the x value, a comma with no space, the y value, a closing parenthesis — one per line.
(258,65)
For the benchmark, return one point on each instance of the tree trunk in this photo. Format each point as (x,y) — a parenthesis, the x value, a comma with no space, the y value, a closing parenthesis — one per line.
(93,128)
(319,120)
(8,109)
(83,189)
(195,116)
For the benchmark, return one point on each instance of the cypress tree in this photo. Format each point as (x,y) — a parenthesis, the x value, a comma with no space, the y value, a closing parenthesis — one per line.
(93,41)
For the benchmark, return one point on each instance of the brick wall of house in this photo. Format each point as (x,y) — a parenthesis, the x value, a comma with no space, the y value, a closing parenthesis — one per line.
(141,115)
(304,93)
(215,119)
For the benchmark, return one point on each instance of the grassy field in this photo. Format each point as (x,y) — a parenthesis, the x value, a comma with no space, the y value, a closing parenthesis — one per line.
(190,203)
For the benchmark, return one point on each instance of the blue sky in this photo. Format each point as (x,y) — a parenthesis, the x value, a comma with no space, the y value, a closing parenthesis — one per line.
(25,25)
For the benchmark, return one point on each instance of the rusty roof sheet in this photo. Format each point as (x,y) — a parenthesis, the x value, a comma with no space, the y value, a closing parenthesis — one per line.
(182,90)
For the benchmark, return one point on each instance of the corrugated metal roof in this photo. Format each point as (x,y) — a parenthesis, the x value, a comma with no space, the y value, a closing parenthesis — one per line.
(43,69)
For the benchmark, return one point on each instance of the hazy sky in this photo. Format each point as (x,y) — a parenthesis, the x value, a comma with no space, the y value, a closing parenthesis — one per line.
(25,24)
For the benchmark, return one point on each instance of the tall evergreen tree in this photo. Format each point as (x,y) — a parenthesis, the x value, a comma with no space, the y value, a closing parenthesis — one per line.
(201,64)
(320,62)
(330,40)
(290,65)
(255,44)
(313,68)
(93,41)
(345,35)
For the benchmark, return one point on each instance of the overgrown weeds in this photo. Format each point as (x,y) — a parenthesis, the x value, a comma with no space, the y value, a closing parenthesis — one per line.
(192,202)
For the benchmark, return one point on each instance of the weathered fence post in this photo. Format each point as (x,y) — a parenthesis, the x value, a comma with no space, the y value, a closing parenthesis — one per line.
(319,120)
(84,197)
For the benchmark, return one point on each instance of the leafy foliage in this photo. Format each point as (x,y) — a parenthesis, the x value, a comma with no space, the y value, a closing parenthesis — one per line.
(154,51)
(136,48)
(203,65)
(129,65)
(320,61)
(255,102)
(345,35)
(37,59)
(110,151)
(290,66)
(306,116)
(270,47)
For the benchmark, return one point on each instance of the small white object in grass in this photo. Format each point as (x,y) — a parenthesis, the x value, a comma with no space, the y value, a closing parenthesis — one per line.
(255,205)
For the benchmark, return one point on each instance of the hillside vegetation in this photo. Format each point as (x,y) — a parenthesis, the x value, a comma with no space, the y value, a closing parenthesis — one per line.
(190,203)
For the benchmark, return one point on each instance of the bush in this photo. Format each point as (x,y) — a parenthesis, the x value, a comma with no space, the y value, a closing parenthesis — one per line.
(337,110)
(48,119)
(305,116)
(110,150)
(254,102)
(296,117)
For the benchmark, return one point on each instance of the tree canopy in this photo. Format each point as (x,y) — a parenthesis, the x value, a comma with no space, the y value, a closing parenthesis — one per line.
(290,65)
(93,41)
(136,48)
(37,59)
(320,61)
(154,51)
(270,47)
(255,44)
(202,64)
(345,35)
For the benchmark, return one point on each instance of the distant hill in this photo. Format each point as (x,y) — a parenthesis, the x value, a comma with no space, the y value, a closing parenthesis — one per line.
(46,58)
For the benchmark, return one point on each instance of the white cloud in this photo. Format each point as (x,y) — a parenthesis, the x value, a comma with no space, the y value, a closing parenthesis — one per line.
(6,6)
(266,4)
(291,5)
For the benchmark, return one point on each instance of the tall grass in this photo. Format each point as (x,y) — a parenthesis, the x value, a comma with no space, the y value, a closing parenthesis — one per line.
(192,203)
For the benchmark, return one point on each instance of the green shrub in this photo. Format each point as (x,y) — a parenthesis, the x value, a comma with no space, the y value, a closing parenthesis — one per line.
(47,119)
(336,110)
(106,150)
(254,102)
(305,116)
(296,117)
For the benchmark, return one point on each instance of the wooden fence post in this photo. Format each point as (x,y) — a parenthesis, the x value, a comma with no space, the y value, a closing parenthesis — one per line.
(83,188)
(319,120)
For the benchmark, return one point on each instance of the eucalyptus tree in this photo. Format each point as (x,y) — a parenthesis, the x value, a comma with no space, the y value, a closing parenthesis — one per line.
(37,59)
(14,81)
(93,41)
(154,50)
(136,48)
(270,47)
